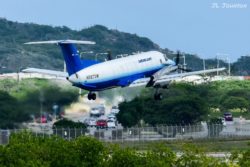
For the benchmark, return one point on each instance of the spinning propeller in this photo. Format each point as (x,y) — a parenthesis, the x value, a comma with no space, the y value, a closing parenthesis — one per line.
(177,61)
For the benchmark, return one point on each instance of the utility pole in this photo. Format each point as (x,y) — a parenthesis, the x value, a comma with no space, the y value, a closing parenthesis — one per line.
(227,59)
(41,99)
(204,65)
(184,62)
(218,63)
(229,66)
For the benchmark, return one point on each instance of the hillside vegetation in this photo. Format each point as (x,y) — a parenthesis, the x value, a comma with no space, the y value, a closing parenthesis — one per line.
(21,101)
(14,55)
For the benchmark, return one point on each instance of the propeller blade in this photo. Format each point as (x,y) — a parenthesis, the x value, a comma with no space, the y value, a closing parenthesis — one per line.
(177,60)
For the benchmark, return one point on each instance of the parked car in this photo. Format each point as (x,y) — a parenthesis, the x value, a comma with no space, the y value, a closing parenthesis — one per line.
(112,117)
(115,110)
(101,123)
(97,111)
(111,124)
(228,116)
(43,119)
(91,122)
(101,109)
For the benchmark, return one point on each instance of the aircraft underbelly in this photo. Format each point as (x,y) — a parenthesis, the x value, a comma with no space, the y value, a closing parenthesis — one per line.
(115,82)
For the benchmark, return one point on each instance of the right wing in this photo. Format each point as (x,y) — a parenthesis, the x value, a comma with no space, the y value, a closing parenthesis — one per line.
(171,77)
(46,72)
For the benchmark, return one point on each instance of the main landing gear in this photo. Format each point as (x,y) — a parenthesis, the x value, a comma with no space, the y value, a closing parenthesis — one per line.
(157,95)
(91,96)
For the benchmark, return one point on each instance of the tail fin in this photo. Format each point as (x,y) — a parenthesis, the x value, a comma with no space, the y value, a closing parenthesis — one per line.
(70,53)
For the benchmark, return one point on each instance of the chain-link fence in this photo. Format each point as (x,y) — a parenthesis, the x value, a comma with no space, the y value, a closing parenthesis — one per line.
(143,134)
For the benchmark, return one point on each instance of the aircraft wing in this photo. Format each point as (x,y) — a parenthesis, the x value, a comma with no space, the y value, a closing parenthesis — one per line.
(46,72)
(172,77)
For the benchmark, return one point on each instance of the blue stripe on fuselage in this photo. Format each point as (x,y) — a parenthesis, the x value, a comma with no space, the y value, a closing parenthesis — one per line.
(118,81)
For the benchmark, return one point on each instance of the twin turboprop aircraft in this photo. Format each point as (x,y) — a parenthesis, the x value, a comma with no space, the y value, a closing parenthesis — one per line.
(150,69)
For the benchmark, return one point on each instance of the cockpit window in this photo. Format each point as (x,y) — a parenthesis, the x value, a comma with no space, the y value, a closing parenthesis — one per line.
(166,58)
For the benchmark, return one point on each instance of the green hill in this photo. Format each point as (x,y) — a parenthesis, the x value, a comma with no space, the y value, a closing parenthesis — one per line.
(14,55)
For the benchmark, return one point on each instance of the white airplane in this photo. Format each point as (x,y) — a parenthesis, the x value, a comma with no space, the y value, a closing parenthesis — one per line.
(150,69)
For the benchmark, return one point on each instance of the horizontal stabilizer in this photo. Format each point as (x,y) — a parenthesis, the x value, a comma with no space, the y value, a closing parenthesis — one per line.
(61,42)
(46,72)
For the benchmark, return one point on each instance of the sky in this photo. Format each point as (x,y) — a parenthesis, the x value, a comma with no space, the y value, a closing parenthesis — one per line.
(203,27)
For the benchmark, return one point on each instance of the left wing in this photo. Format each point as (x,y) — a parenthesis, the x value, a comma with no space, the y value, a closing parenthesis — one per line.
(46,72)
(171,77)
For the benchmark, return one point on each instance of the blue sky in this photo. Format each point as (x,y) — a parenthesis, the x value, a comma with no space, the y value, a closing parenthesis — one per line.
(192,26)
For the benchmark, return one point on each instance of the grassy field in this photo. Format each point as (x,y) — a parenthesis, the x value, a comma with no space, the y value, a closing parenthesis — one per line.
(225,145)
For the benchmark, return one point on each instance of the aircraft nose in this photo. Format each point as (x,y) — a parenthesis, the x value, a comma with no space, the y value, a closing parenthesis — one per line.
(171,62)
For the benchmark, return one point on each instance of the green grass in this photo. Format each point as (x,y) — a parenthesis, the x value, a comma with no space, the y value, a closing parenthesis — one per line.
(20,89)
(205,145)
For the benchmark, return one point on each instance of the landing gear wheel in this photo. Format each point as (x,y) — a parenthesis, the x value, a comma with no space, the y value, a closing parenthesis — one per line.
(91,96)
(158,96)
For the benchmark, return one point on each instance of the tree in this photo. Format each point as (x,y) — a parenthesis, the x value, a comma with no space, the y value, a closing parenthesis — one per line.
(183,104)
(235,102)
(65,123)
(10,111)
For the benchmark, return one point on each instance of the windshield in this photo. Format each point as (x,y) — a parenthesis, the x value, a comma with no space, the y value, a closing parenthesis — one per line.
(165,56)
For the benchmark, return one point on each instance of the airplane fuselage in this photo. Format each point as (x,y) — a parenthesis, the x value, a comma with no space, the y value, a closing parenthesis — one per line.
(119,72)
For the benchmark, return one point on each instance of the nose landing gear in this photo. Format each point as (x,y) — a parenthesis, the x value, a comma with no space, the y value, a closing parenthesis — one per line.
(91,96)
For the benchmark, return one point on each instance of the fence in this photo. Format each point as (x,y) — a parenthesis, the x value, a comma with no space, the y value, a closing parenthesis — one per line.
(143,134)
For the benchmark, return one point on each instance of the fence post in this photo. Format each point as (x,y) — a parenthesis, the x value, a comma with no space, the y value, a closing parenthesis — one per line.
(171,130)
(116,135)
(214,131)
(190,131)
(99,134)
(69,134)
(122,135)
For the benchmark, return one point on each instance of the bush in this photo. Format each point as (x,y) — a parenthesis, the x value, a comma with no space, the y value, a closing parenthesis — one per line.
(24,149)
(65,123)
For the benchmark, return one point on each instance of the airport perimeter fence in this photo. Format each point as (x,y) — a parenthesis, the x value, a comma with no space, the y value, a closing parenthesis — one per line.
(143,134)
